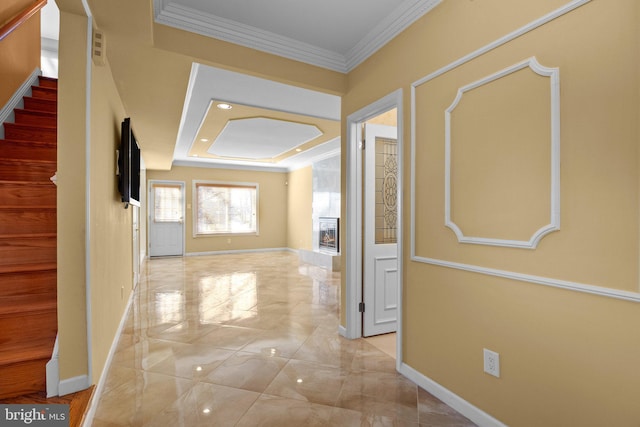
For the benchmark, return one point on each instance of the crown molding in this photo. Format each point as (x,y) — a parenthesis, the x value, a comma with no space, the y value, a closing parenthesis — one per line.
(207,163)
(192,20)
(188,19)
(387,29)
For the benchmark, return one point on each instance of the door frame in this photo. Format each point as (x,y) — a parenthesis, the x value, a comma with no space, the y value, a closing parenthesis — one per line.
(354,201)
(150,199)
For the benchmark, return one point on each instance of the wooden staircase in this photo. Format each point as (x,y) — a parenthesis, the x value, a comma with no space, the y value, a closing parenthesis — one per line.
(28,289)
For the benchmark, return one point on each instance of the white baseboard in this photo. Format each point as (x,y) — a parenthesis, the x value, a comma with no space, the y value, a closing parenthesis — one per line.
(470,411)
(6,113)
(53,372)
(72,385)
(342,331)
(93,405)
(236,251)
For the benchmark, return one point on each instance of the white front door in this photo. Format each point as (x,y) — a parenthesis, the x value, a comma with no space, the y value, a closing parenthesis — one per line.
(380,275)
(166,218)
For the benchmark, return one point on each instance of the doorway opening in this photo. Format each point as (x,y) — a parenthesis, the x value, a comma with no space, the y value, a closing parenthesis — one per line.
(373,221)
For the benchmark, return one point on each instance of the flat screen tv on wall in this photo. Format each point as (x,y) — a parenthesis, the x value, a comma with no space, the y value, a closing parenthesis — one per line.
(129,166)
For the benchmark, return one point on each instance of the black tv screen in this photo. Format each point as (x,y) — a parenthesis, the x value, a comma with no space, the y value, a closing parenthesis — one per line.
(129,166)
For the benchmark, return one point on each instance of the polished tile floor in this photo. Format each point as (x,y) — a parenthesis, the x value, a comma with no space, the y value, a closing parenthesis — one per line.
(251,340)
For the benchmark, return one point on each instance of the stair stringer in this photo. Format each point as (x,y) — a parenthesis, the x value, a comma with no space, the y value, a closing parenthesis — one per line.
(6,113)
(53,372)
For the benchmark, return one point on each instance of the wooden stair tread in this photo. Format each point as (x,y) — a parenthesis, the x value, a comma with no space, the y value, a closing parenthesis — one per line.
(29,150)
(26,267)
(35,117)
(26,183)
(43,144)
(28,236)
(28,194)
(43,183)
(36,350)
(36,112)
(39,104)
(37,132)
(51,101)
(28,162)
(48,81)
(25,207)
(25,304)
(44,92)
(30,126)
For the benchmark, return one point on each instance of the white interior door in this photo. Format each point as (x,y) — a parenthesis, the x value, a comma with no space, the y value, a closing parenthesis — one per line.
(166,218)
(380,252)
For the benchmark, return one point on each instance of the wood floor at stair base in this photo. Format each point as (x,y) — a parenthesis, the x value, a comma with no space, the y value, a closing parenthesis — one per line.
(78,403)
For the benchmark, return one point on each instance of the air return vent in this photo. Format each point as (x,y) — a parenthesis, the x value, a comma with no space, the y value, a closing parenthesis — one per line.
(99,47)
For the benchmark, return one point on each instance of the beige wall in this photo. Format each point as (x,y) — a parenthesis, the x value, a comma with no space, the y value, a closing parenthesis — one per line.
(111,225)
(20,50)
(72,322)
(300,204)
(567,358)
(272,209)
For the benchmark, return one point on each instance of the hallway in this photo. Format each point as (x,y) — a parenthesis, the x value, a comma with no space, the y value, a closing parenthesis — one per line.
(251,340)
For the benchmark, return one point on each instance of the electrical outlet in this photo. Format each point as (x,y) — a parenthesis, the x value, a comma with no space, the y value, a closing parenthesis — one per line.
(492,363)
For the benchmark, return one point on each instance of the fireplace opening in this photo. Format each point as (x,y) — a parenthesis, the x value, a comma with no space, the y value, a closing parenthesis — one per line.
(329,237)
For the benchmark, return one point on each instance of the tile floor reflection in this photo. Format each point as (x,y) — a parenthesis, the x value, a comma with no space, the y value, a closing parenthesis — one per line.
(251,340)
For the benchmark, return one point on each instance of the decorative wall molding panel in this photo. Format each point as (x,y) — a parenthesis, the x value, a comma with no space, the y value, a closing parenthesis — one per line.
(545,281)
(538,280)
(567,8)
(503,40)
(457,63)
(554,221)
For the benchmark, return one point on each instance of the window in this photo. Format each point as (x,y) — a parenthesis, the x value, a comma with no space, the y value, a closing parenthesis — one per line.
(224,208)
(167,203)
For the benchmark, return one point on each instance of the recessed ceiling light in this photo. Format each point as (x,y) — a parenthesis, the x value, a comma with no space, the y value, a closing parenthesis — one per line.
(298,149)
(194,155)
(224,106)
(204,140)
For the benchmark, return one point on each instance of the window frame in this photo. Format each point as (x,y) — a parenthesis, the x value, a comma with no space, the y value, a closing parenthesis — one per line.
(228,184)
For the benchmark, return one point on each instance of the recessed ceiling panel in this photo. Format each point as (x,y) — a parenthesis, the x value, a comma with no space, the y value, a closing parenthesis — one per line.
(261,138)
